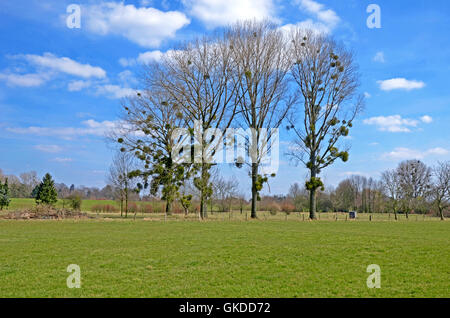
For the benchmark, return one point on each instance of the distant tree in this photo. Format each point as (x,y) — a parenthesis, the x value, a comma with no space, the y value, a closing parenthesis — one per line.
(345,195)
(391,183)
(45,192)
(414,179)
(326,80)
(441,187)
(4,195)
(119,178)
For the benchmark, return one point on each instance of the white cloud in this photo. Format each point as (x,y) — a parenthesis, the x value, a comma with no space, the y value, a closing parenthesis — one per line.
(426,119)
(115,91)
(48,148)
(324,20)
(89,127)
(328,17)
(223,12)
(400,83)
(64,65)
(24,80)
(145,58)
(367,95)
(76,86)
(407,153)
(379,57)
(63,160)
(147,27)
(392,123)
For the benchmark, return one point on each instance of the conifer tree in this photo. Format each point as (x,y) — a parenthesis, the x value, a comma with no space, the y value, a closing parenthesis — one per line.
(46,192)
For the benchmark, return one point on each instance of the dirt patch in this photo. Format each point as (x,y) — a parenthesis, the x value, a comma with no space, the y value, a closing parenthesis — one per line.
(44,213)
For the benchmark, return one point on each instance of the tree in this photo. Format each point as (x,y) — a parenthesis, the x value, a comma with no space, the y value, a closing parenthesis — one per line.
(441,187)
(345,195)
(149,133)
(4,194)
(326,82)
(199,78)
(119,178)
(45,192)
(414,179)
(391,183)
(259,51)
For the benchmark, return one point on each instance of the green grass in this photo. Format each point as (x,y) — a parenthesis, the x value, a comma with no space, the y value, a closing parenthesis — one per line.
(125,258)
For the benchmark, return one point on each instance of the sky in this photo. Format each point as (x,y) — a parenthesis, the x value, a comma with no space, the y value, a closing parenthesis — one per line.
(61,87)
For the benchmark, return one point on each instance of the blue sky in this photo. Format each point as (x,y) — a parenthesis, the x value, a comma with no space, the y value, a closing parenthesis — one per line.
(60,88)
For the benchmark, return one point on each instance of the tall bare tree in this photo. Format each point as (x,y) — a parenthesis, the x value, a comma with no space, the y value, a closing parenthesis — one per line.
(391,183)
(326,80)
(415,184)
(148,131)
(441,187)
(262,64)
(199,77)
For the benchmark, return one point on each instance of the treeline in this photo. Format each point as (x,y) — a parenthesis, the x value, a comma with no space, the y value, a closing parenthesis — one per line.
(412,187)
(22,186)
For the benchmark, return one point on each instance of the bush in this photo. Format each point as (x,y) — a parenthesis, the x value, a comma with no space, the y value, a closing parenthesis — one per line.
(146,208)
(103,208)
(132,207)
(287,207)
(75,202)
(273,208)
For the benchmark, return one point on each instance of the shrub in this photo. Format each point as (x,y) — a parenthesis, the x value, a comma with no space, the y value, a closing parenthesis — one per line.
(287,207)
(75,202)
(132,207)
(146,208)
(103,208)
(273,208)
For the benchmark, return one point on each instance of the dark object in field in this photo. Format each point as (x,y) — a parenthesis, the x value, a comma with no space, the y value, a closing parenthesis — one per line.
(45,213)
(352,215)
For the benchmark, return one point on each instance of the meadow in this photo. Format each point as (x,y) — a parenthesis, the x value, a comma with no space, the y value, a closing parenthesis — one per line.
(226,258)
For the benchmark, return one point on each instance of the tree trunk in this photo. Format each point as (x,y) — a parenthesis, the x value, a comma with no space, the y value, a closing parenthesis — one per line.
(168,207)
(204,184)
(441,213)
(312,204)
(254,190)
(312,191)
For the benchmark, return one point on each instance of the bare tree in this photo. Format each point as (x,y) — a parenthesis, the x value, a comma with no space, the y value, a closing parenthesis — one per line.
(199,77)
(326,78)
(441,187)
(391,183)
(121,167)
(259,51)
(415,183)
(226,191)
(148,132)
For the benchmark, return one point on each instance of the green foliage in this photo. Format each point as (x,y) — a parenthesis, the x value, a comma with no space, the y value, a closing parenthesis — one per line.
(75,202)
(314,183)
(45,192)
(4,195)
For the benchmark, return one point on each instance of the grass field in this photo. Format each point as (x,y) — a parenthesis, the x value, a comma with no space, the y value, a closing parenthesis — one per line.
(125,258)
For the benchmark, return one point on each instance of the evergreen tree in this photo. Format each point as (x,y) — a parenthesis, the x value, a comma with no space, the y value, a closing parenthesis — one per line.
(46,192)
(4,195)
